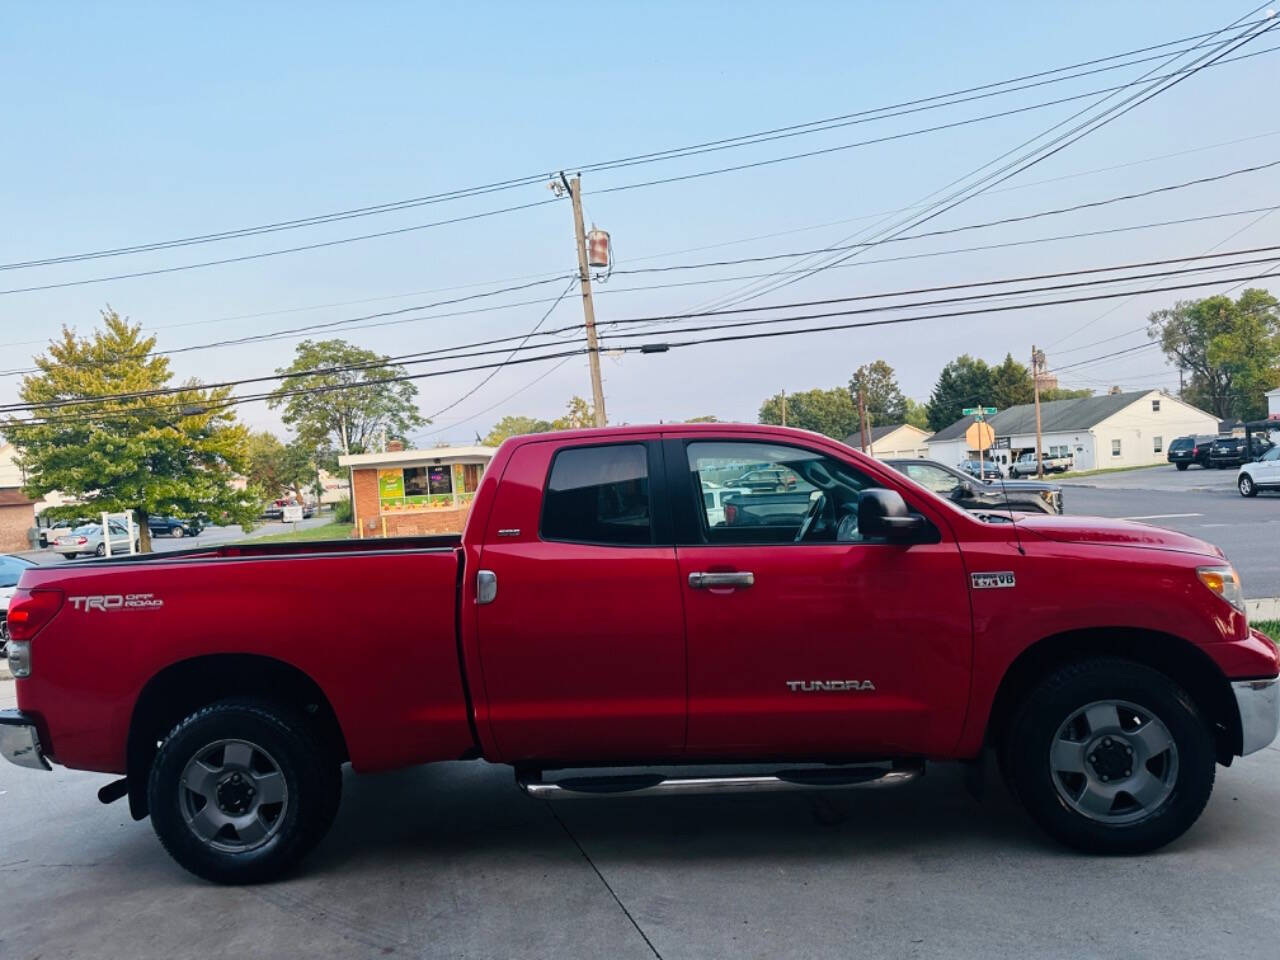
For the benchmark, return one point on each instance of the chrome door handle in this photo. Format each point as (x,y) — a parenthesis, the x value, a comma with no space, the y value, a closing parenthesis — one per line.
(738,579)
(486,586)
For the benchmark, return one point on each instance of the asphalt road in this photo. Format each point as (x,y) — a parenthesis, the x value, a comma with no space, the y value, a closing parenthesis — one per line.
(1202,503)
(452,861)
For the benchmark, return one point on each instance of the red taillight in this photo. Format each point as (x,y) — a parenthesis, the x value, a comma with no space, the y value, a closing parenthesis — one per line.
(730,513)
(30,610)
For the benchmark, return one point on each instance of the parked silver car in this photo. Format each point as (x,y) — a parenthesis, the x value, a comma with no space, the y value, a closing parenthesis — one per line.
(87,540)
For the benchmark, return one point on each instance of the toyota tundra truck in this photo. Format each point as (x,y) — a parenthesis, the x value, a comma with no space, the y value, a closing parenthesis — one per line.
(596,629)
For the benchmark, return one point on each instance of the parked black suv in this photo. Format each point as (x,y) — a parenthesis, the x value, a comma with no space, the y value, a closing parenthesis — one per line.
(1236,451)
(173,527)
(1024,496)
(1185,451)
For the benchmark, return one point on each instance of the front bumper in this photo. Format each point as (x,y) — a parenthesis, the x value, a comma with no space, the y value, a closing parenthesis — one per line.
(20,742)
(1259,704)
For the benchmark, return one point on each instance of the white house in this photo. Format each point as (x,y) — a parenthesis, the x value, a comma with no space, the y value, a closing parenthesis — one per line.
(895,441)
(1113,430)
(1273,404)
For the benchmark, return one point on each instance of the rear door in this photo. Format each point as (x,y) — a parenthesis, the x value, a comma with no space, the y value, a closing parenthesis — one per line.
(812,640)
(582,648)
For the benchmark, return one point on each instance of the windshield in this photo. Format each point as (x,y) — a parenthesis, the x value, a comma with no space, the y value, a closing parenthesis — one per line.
(11,569)
(88,528)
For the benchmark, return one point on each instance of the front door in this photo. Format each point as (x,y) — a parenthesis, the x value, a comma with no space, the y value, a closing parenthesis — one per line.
(805,637)
(582,647)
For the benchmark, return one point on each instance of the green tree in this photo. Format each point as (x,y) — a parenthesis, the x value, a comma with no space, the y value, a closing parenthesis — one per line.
(514,426)
(917,414)
(823,411)
(104,436)
(880,393)
(964,382)
(275,467)
(1063,393)
(578,415)
(1231,348)
(337,392)
(1010,384)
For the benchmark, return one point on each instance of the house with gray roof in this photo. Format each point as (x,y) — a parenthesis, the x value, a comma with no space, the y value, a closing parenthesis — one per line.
(1110,430)
(893,441)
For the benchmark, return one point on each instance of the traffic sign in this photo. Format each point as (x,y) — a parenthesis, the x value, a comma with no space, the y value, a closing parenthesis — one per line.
(979,436)
(979,411)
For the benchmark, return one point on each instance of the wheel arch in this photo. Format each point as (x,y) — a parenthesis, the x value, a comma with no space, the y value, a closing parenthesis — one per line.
(184,687)
(1180,660)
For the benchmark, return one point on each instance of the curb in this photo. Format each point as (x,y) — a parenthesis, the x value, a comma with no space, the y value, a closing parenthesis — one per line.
(1263,608)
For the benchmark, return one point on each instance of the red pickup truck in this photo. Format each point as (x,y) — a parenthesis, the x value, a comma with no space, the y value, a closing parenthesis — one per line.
(594,618)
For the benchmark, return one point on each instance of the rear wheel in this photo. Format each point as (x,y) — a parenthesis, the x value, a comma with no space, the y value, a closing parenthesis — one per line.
(1110,756)
(1247,487)
(1182,466)
(69,556)
(241,790)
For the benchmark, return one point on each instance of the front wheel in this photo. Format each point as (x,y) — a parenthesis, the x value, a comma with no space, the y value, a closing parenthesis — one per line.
(101,551)
(177,533)
(1247,487)
(241,790)
(1110,756)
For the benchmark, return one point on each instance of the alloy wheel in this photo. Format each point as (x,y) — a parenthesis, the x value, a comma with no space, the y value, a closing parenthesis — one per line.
(233,796)
(1113,762)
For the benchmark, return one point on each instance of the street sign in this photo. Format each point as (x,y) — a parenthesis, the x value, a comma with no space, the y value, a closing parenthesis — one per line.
(979,411)
(292,514)
(979,436)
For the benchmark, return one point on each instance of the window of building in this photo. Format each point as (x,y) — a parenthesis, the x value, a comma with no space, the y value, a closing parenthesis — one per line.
(1157,443)
(1115,448)
(599,495)
(1155,406)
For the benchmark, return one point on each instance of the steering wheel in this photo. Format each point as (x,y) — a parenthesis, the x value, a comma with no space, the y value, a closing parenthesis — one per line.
(816,505)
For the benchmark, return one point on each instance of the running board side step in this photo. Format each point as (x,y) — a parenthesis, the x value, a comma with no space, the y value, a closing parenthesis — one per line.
(653,785)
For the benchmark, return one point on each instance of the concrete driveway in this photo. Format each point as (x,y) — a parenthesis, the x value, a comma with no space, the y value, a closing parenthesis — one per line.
(451,861)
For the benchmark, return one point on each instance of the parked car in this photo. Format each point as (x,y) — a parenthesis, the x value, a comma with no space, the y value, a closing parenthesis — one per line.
(11,568)
(51,530)
(1261,474)
(1109,664)
(1025,465)
(767,478)
(984,470)
(1184,451)
(1233,451)
(87,540)
(1026,496)
(173,527)
(713,502)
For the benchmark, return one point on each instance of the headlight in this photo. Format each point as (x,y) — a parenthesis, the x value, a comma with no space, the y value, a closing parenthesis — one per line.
(1225,582)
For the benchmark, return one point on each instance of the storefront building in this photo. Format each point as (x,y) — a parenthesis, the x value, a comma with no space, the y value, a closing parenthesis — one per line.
(405,493)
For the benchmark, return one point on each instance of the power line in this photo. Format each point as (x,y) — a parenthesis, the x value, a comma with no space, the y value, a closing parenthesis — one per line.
(1029,159)
(815,126)
(450,353)
(632,186)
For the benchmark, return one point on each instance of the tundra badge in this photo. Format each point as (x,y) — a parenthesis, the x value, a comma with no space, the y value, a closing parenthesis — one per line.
(990,581)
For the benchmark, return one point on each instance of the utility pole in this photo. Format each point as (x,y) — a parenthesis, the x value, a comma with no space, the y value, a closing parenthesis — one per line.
(784,408)
(574,187)
(862,419)
(1037,361)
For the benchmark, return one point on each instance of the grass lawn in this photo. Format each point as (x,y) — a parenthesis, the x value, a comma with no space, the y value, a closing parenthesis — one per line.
(1072,474)
(1270,627)
(327,531)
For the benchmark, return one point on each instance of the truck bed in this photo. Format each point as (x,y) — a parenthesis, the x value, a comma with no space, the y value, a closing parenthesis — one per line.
(371,622)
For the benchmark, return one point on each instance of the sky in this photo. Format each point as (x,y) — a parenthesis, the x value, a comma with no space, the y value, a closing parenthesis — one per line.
(133,123)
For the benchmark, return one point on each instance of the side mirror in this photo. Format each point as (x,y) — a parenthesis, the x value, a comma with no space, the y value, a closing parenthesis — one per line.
(883,513)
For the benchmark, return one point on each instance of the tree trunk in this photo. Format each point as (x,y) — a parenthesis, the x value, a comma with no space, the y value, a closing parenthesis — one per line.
(143,531)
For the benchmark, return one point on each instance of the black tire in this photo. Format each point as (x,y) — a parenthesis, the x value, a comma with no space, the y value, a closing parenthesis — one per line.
(101,551)
(1182,466)
(177,533)
(312,779)
(1038,724)
(69,556)
(1246,485)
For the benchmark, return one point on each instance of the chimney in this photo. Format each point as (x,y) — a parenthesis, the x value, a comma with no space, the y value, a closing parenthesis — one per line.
(395,446)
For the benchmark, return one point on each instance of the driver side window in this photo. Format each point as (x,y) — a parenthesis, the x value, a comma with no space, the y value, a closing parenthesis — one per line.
(932,478)
(766,493)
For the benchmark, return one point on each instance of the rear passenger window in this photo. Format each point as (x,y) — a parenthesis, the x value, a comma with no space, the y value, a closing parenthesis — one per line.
(599,495)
